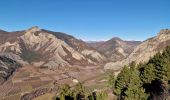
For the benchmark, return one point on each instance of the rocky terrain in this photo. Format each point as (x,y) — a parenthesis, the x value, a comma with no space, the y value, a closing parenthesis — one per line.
(45,49)
(49,49)
(145,50)
(115,49)
(47,58)
(44,57)
(7,66)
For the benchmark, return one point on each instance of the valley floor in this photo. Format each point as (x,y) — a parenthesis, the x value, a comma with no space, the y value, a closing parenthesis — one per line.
(31,78)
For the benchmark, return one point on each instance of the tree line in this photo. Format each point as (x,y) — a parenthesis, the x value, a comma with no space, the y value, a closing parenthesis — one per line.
(144,81)
(79,92)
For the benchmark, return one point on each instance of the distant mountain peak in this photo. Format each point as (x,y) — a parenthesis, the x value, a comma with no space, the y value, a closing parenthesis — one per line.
(115,49)
(115,38)
(49,49)
(33,29)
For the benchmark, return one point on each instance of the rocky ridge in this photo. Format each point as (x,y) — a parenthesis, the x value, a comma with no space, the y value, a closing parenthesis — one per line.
(115,49)
(50,49)
(145,50)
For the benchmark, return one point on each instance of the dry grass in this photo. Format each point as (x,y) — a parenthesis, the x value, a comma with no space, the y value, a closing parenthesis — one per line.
(30,78)
(13,97)
(23,74)
(37,84)
(47,96)
(14,90)
(26,87)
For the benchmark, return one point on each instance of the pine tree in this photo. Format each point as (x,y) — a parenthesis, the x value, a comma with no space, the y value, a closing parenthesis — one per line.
(79,91)
(102,95)
(135,93)
(66,92)
(135,90)
(122,81)
(128,85)
(111,80)
(157,71)
(148,74)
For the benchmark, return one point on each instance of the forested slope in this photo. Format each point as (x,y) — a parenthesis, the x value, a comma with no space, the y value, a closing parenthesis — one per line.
(149,80)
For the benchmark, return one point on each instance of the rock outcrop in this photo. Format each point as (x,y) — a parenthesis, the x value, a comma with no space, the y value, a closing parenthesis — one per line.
(7,66)
(145,50)
(48,49)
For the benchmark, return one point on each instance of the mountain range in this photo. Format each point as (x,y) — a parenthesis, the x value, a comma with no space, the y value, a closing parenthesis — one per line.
(115,49)
(144,51)
(55,50)
(46,49)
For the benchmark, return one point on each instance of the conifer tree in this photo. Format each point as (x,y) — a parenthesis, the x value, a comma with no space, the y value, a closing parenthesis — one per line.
(79,91)
(128,85)
(66,92)
(111,80)
(102,95)
(122,81)
(135,90)
(148,74)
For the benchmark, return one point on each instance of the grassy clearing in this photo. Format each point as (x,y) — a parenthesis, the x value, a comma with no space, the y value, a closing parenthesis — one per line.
(102,77)
(98,86)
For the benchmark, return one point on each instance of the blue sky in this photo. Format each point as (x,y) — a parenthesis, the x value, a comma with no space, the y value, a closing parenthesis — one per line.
(88,19)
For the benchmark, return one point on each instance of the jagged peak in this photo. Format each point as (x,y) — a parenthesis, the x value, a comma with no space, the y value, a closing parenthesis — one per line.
(33,29)
(164,32)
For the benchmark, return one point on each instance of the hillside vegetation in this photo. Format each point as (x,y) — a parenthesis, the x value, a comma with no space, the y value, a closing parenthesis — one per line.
(145,81)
